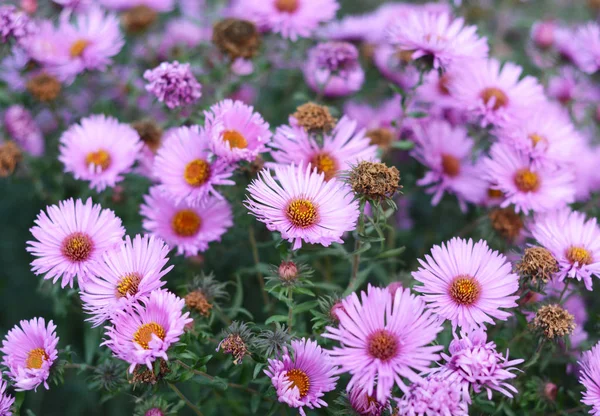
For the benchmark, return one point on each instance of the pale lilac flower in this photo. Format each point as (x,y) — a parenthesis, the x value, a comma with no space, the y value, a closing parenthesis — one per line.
(6,400)
(382,116)
(344,147)
(589,376)
(351,28)
(332,68)
(587,38)
(364,404)
(77,5)
(174,84)
(126,274)
(573,240)
(189,228)
(467,283)
(187,170)
(22,128)
(437,37)
(384,339)
(236,131)
(181,33)
(29,353)
(433,396)
(14,24)
(100,150)
(158,5)
(144,331)
(474,364)
(395,66)
(302,378)
(71,238)
(302,206)
(571,86)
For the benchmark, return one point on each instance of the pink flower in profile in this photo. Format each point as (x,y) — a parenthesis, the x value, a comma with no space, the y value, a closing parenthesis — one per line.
(236,131)
(302,206)
(384,339)
(189,228)
(587,38)
(528,187)
(158,5)
(573,240)
(22,128)
(439,37)
(303,377)
(341,149)
(333,69)
(100,150)
(71,238)
(187,170)
(589,376)
(29,353)
(475,364)
(364,404)
(434,395)
(173,84)
(396,66)
(128,273)
(494,92)
(6,400)
(143,332)
(447,152)
(290,18)
(467,283)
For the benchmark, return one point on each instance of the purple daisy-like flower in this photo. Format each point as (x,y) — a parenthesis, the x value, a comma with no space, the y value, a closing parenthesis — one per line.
(158,5)
(14,24)
(383,339)
(302,206)
(475,364)
(144,331)
(433,396)
(100,150)
(439,37)
(173,84)
(344,147)
(467,283)
(128,273)
(589,376)
(6,400)
(29,353)
(493,91)
(447,151)
(187,170)
(364,404)
(236,131)
(190,228)
(22,128)
(587,39)
(528,187)
(302,378)
(394,64)
(332,68)
(71,238)
(573,240)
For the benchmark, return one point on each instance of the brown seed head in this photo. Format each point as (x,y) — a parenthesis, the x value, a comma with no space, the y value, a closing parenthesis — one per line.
(10,156)
(375,180)
(554,321)
(506,222)
(537,263)
(44,87)
(234,345)
(150,133)
(198,301)
(141,374)
(314,118)
(381,137)
(236,38)
(138,19)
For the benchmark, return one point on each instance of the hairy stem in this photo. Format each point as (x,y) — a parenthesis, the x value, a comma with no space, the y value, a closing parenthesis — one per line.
(185,399)
(261,279)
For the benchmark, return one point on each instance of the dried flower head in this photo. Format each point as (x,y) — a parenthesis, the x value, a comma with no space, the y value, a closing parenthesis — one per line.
(197,300)
(506,222)
(272,343)
(375,180)
(203,291)
(44,87)
(381,137)
(10,156)
(236,340)
(537,263)
(108,375)
(138,18)
(150,133)
(554,321)
(142,375)
(314,118)
(251,169)
(236,38)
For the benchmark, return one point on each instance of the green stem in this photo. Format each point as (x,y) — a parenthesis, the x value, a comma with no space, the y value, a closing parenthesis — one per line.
(562,294)
(261,279)
(357,246)
(290,311)
(185,399)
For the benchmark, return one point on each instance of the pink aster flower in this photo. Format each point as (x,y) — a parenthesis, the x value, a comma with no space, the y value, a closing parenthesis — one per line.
(384,339)
(333,69)
(144,331)
(467,283)
(14,24)
(22,128)
(186,168)
(395,65)
(71,238)
(290,18)
(158,5)
(128,273)
(494,92)
(364,404)
(435,395)
(371,118)
(447,152)
(6,400)
(77,5)
(190,228)
(587,38)
(439,37)
(589,376)
(528,187)
(573,240)
(302,206)
(100,150)
(174,84)
(542,33)
(475,364)
(29,353)
(302,378)
(341,149)
(236,131)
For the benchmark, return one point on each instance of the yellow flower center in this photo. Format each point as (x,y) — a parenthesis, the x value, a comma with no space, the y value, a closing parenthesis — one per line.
(186,223)
(128,285)
(36,358)
(465,290)
(78,47)
(302,213)
(77,247)
(325,164)
(495,193)
(405,56)
(235,139)
(197,172)
(143,335)
(383,345)
(287,6)
(450,165)
(299,379)
(526,180)
(536,138)
(579,255)
(100,158)
(501,100)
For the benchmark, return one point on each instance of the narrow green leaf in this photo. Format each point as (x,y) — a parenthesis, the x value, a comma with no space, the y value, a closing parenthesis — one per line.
(276,318)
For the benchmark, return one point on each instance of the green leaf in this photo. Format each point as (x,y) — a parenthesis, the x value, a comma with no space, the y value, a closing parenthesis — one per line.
(306,306)
(276,318)
(417,114)
(254,403)
(257,370)
(403,145)
(391,253)
(304,291)
(363,248)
